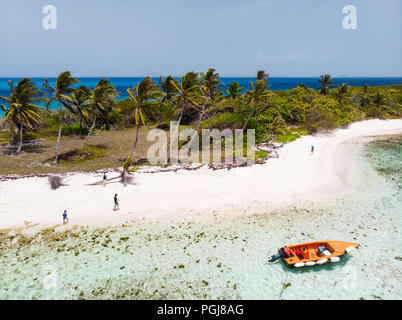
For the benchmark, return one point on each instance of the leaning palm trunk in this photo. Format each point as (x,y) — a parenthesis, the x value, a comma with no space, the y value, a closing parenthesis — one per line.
(258,112)
(248,119)
(80,132)
(20,144)
(198,126)
(135,143)
(178,121)
(176,130)
(12,138)
(90,131)
(59,135)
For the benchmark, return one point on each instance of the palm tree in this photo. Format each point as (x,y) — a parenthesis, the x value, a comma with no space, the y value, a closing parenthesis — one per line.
(10,122)
(167,88)
(188,90)
(168,91)
(326,84)
(256,94)
(365,88)
(22,113)
(234,90)
(261,75)
(60,93)
(100,100)
(143,93)
(210,83)
(126,170)
(303,86)
(79,97)
(341,91)
(379,99)
(277,125)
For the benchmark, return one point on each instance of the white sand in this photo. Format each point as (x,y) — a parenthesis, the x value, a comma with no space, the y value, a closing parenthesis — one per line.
(295,178)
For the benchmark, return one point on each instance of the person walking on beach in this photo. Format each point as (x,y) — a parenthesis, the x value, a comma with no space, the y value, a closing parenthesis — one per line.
(116,203)
(65,219)
(312,149)
(104,179)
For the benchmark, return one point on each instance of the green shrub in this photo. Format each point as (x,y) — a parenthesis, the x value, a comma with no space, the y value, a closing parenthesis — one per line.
(287,137)
(82,154)
(376,112)
(259,154)
(300,130)
(70,129)
(226,121)
(321,118)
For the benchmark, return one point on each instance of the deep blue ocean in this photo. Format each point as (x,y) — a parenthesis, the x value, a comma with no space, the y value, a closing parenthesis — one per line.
(277,83)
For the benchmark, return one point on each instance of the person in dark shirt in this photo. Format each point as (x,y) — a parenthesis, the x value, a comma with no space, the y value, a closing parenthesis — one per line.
(116,203)
(65,219)
(104,179)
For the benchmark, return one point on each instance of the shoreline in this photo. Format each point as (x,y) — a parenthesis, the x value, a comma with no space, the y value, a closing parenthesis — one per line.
(215,254)
(295,178)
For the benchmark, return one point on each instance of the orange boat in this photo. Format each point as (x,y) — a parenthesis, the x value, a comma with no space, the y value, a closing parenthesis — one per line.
(314,253)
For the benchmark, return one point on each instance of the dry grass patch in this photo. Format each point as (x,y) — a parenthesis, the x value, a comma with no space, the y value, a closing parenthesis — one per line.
(106,149)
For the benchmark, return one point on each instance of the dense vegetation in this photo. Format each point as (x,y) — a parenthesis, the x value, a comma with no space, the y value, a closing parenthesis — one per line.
(196,100)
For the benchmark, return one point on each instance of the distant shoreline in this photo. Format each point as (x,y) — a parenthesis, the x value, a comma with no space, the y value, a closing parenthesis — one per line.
(277,83)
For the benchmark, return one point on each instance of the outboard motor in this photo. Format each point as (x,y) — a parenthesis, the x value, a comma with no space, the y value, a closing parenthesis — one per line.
(275,257)
(281,254)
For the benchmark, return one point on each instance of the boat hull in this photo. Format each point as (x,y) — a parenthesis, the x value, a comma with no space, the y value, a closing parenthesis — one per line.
(312,253)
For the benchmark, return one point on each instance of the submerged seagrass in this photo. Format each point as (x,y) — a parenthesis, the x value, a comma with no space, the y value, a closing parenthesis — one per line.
(225,258)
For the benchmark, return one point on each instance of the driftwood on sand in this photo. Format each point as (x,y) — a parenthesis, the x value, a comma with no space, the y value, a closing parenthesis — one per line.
(271,148)
(213,166)
(123,178)
(17,176)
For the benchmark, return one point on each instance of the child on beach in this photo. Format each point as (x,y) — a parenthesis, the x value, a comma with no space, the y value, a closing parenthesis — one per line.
(65,219)
(116,203)
(312,149)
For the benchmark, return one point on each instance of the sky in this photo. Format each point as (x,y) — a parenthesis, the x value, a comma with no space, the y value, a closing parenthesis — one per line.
(123,38)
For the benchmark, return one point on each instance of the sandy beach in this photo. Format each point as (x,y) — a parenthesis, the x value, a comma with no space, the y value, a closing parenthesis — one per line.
(296,178)
(208,234)
(287,181)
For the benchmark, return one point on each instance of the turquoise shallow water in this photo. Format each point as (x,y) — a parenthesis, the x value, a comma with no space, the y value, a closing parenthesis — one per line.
(224,258)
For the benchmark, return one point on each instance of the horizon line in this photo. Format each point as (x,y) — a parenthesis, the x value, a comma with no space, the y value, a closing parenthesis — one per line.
(164,75)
